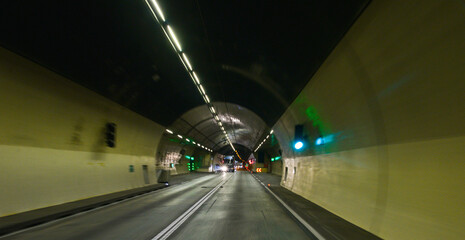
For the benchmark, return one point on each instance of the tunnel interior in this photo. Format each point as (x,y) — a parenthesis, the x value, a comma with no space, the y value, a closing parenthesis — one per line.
(98,98)
(119,51)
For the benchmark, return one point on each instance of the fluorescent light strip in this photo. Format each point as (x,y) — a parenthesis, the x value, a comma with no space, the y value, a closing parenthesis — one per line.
(201,89)
(160,13)
(196,78)
(187,61)
(205,97)
(173,37)
(267,136)
(193,142)
(183,57)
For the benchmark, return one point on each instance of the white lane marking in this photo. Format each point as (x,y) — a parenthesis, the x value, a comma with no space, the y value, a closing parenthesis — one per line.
(157,191)
(301,220)
(165,233)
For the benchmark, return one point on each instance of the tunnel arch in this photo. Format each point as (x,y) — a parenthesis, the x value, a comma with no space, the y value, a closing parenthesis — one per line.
(244,127)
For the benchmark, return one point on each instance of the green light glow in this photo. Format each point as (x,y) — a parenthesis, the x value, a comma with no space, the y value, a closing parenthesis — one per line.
(315,118)
(273,141)
(188,157)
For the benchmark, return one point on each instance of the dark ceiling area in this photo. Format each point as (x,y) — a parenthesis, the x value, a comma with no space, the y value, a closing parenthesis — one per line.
(257,54)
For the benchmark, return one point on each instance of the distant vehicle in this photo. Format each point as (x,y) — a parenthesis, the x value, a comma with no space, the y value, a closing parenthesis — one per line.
(217,168)
(229,165)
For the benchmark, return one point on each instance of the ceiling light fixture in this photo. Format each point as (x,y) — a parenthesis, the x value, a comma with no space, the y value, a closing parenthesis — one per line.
(264,140)
(196,78)
(173,37)
(187,61)
(202,90)
(160,13)
(169,32)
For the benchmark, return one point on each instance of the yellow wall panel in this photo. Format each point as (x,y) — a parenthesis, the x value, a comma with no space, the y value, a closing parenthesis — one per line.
(52,141)
(389,102)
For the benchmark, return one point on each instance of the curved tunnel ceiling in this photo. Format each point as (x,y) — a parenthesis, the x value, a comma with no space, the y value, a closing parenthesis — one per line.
(256,54)
(244,127)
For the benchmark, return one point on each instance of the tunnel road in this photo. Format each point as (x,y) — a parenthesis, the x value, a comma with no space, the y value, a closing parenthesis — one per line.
(219,206)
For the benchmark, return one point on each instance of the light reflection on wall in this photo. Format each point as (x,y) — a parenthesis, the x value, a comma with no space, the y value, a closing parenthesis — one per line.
(226,118)
(170,157)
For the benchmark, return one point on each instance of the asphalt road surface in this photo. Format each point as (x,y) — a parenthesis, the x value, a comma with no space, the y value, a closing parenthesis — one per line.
(214,206)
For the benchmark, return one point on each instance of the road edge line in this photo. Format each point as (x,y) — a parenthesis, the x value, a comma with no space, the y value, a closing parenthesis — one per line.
(300,219)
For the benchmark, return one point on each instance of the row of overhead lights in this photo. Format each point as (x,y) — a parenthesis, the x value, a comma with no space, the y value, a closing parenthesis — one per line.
(189,140)
(264,140)
(169,32)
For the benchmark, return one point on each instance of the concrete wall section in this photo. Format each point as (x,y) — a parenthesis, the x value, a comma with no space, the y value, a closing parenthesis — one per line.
(52,141)
(389,105)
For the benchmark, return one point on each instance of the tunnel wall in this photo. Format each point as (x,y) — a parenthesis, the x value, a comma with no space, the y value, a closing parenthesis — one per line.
(389,104)
(52,140)
(277,167)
